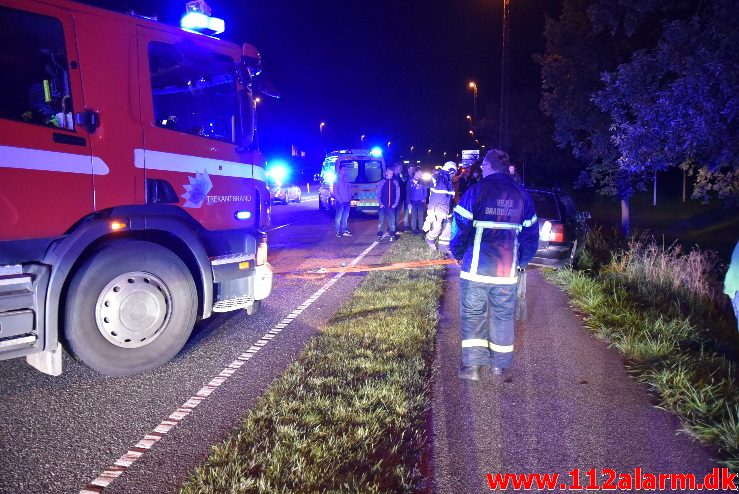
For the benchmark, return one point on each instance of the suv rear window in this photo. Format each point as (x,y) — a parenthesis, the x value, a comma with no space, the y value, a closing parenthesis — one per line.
(545,205)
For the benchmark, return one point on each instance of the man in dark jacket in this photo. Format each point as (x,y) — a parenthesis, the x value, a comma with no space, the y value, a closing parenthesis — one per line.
(417,194)
(495,233)
(342,202)
(388,196)
(403,210)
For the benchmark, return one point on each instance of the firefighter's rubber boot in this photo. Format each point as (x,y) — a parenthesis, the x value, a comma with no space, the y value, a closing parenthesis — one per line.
(470,373)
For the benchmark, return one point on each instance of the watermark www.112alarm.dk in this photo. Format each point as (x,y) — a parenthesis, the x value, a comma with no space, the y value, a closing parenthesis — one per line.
(607,479)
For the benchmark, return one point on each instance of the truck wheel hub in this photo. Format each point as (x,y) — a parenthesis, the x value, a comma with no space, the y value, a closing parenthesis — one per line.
(132,309)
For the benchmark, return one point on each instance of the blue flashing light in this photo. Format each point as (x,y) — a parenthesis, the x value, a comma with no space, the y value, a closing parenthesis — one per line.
(201,23)
(329,176)
(376,152)
(279,171)
(243,215)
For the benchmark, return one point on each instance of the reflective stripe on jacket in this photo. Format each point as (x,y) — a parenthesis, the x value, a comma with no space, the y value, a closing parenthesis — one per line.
(495,230)
(442,189)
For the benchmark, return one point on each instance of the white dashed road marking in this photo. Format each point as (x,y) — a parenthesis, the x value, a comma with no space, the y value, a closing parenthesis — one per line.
(149,440)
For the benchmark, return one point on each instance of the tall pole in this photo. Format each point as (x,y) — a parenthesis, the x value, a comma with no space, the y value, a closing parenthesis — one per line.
(504,77)
(654,193)
(473,85)
(320,129)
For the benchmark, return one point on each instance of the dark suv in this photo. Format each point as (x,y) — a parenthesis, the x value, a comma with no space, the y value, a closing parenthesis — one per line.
(562,229)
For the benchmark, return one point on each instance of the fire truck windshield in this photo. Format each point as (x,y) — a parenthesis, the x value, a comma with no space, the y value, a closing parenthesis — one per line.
(195,91)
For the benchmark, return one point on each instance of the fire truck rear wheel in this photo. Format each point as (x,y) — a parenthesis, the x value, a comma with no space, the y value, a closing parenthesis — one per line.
(130,308)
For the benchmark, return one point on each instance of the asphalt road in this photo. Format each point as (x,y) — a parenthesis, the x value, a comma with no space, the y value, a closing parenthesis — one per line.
(58,434)
(567,404)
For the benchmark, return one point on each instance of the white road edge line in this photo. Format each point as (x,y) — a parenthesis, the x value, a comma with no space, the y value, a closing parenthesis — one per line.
(281,226)
(149,440)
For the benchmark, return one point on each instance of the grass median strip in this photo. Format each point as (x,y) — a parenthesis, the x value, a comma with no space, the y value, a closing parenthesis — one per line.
(349,415)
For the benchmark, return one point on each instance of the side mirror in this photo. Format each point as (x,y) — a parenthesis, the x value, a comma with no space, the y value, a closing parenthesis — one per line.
(263,86)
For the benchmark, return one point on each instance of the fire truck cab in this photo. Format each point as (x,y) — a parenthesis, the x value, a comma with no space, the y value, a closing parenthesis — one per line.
(132,200)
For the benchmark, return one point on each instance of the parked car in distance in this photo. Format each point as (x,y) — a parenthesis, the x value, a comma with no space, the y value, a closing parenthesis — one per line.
(562,229)
(285,193)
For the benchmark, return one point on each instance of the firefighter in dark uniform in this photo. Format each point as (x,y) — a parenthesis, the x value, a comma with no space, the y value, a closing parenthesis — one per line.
(441,196)
(495,233)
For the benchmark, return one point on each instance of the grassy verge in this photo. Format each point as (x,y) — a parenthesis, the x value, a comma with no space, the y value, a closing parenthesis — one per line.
(350,414)
(661,308)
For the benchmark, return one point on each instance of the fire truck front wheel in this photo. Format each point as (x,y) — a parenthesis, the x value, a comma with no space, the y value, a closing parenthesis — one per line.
(130,308)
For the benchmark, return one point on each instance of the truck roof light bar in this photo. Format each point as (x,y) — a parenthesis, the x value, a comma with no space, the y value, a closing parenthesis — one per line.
(198,19)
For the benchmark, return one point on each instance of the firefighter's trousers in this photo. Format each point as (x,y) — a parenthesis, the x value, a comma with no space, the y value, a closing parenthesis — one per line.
(436,222)
(487,323)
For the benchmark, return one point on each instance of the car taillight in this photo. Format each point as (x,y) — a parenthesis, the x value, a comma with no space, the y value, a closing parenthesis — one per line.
(552,232)
(261,257)
(558,233)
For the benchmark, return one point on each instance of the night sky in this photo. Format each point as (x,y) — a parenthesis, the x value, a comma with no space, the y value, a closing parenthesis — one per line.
(392,70)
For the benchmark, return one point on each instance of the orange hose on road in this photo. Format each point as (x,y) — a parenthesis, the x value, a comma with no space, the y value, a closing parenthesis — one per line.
(388,266)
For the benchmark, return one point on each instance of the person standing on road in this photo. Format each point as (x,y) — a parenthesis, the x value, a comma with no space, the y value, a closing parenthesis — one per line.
(475,176)
(388,196)
(400,177)
(731,282)
(440,198)
(463,182)
(417,192)
(514,174)
(342,203)
(495,233)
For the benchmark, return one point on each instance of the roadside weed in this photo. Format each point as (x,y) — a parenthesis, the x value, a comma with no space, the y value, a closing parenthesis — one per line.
(662,309)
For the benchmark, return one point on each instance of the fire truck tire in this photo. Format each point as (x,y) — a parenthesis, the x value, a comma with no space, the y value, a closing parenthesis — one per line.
(129,308)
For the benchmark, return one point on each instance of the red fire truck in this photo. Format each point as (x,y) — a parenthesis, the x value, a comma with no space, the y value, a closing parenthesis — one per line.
(132,199)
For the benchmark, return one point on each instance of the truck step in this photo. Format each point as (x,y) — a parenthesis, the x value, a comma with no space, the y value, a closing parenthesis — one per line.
(18,341)
(16,323)
(235,303)
(16,292)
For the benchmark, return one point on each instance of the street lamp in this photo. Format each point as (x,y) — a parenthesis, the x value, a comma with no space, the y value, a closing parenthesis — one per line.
(361,139)
(320,128)
(473,85)
(412,148)
(429,153)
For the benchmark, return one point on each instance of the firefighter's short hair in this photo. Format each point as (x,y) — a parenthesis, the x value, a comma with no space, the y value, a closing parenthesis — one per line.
(497,160)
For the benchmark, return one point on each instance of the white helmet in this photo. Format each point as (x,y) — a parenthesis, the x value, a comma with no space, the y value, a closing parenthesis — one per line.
(450,166)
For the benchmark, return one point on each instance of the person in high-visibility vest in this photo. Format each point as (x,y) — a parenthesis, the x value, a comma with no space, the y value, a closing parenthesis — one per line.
(441,194)
(495,233)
